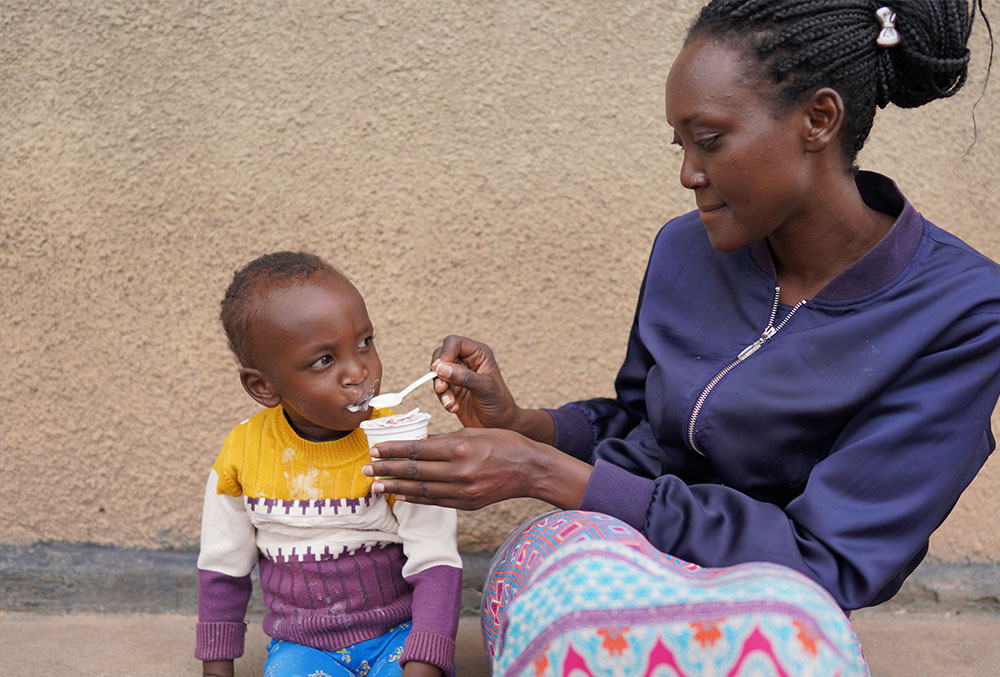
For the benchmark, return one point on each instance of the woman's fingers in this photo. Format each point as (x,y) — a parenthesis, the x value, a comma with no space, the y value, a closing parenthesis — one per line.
(457,361)
(469,384)
(418,492)
(469,468)
(447,493)
(424,471)
(429,449)
(480,385)
(434,459)
(461,349)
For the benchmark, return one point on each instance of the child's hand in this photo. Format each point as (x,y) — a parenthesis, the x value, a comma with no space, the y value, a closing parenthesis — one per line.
(217,669)
(417,669)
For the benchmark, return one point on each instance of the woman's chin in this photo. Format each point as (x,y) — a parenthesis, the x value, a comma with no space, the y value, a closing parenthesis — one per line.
(723,233)
(724,243)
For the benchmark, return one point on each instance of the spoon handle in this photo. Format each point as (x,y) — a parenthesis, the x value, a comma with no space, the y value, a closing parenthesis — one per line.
(423,379)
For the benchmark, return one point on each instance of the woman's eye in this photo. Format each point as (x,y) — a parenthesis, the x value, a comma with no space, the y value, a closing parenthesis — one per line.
(707,142)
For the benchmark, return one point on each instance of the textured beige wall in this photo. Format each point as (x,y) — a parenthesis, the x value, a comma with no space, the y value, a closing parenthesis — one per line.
(495,169)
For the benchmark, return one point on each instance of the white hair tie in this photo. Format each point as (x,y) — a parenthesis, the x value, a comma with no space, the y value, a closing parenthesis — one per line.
(888,36)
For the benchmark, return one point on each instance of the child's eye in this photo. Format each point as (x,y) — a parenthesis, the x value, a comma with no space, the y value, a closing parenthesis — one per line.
(322,362)
(366,342)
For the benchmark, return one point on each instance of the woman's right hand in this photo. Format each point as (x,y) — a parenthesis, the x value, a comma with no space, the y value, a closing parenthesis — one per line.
(470,385)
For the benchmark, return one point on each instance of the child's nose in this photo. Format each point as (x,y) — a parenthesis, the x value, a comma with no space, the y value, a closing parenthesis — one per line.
(353,372)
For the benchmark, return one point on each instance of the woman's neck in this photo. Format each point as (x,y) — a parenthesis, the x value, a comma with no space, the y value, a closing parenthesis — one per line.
(837,231)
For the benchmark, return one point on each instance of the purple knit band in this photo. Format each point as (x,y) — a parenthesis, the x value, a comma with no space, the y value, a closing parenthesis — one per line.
(428,647)
(219,641)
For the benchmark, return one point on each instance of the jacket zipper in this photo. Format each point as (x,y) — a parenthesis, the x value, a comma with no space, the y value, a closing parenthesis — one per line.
(769,331)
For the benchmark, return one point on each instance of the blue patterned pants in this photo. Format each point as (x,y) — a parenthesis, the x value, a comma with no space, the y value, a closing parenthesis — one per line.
(377,656)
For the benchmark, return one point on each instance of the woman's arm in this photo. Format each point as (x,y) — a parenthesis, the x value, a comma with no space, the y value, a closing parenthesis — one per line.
(509,452)
(863,519)
(472,468)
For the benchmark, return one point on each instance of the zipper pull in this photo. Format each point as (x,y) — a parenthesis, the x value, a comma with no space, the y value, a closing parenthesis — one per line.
(755,346)
(750,349)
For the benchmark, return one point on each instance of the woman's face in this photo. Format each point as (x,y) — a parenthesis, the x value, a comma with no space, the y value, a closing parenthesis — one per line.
(746,163)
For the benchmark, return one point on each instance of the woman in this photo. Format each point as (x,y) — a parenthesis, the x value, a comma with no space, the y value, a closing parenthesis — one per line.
(812,366)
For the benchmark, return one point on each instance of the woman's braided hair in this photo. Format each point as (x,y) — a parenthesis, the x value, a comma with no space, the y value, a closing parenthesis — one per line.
(803,45)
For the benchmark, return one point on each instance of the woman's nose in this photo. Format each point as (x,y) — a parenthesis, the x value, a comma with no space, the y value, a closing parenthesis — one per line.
(691,174)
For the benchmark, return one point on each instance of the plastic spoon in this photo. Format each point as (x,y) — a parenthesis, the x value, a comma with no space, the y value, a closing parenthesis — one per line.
(393,399)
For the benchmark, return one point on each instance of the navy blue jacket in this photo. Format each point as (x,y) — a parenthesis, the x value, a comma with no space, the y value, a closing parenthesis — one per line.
(838,442)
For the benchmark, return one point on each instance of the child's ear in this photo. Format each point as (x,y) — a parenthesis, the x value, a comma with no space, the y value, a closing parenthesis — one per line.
(258,387)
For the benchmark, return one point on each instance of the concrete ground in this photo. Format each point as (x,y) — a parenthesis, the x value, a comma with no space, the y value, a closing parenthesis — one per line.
(897,642)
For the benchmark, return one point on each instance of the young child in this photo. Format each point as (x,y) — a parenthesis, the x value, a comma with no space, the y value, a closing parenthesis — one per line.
(355,584)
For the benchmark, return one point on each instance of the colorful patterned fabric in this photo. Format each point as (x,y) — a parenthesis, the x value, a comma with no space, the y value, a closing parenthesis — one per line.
(585,594)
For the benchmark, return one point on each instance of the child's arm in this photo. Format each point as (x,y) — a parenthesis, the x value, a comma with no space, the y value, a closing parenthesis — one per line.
(218,669)
(228,554)
(418,669)
(434,568)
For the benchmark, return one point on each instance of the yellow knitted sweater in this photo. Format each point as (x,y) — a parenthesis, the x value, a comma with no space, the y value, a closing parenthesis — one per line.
(264,458)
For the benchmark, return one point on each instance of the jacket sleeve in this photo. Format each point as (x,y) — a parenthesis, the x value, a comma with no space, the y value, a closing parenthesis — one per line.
(434,568)
(228,554)
(863,521)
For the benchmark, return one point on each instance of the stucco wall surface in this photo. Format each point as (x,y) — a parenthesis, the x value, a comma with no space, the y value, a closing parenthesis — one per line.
(492,169)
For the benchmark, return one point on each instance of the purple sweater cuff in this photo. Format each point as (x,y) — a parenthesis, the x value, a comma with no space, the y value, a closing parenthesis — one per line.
(617,492)
(574,435)
(437,603)
(219,641)
(428,647)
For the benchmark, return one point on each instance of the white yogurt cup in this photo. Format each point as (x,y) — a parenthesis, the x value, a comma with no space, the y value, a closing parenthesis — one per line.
(397,427)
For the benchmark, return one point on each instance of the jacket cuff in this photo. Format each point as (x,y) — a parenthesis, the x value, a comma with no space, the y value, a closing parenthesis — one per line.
(617,492)
(574,435)
(429,647)
(219,641)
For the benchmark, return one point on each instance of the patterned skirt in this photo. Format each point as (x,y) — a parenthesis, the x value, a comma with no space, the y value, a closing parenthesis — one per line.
(580,593)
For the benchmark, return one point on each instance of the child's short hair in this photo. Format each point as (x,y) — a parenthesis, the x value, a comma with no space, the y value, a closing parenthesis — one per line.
(249,282)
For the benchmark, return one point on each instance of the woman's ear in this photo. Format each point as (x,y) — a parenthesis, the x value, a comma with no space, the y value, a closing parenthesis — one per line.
(824,112)
(258,387)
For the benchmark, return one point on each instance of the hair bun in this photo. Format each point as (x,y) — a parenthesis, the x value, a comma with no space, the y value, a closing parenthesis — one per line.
(932,59)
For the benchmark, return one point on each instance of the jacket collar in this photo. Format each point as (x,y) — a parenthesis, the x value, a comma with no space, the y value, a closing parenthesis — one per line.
(883,262)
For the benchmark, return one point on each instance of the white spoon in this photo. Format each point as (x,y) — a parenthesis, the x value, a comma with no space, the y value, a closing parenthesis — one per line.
(393,399)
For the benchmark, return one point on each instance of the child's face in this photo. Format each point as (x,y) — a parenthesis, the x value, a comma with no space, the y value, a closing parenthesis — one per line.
(314,350)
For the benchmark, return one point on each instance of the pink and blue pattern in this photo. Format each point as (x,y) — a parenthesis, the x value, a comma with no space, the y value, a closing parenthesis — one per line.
(585,594)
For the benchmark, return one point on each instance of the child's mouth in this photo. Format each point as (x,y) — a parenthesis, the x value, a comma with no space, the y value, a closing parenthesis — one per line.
(362,403)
